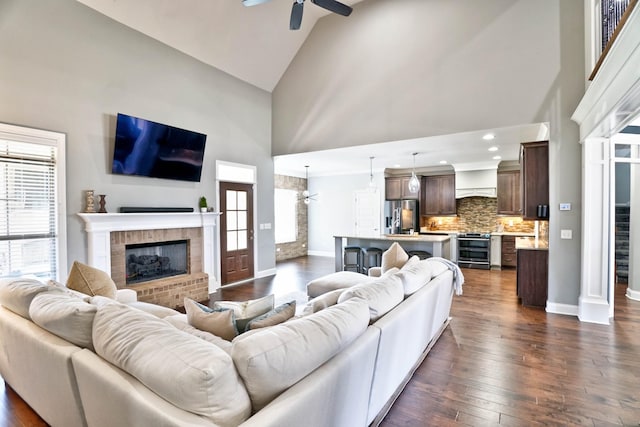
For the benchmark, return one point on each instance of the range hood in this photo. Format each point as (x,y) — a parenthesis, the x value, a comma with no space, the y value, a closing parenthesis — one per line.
(475,180)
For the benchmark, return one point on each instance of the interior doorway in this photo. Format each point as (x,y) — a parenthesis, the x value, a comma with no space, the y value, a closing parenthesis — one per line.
(236,232)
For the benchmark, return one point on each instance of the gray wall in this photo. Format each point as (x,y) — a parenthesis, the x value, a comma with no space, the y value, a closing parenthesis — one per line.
(69,69)
(413,68)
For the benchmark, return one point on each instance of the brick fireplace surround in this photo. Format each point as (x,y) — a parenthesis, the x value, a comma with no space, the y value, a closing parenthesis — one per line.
(109,233)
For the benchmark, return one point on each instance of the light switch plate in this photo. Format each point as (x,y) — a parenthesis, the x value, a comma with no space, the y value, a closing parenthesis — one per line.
(565,206)
(566,234)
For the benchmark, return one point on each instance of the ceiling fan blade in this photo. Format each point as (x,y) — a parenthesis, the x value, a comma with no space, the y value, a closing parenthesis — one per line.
(253,2)
(296,15)
(334,6)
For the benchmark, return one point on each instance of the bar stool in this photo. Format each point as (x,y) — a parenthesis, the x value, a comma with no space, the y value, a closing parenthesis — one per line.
(353,259)
(372,258)
(420,254)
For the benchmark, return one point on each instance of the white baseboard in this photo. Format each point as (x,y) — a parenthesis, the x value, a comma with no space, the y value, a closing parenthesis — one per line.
(566,309)
(322,253)
(633,294)
(265,273)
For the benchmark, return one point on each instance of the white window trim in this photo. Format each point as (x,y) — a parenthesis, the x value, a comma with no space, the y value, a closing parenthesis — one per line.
(57,140)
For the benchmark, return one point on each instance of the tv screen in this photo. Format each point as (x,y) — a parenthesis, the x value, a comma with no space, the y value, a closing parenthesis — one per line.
(147,148)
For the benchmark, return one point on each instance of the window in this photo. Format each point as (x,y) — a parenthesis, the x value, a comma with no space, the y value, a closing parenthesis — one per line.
(286,215)
(31,204)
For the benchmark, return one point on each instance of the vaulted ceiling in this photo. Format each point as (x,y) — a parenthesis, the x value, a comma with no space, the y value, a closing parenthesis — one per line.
(253,44)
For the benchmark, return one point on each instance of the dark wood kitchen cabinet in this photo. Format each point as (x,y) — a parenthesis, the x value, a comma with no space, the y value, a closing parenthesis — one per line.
(532,276)
(534,169)
(438,195)
(397,188)
(509,193)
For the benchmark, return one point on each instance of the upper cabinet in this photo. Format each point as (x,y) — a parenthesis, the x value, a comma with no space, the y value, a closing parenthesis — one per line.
(534,169)
(509,200)
(438,195)
(397,188)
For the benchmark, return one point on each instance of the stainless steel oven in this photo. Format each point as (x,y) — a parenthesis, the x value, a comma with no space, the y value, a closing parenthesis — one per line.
(474,250)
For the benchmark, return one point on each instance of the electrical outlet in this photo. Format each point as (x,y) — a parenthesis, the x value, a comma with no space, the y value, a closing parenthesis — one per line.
(566,234)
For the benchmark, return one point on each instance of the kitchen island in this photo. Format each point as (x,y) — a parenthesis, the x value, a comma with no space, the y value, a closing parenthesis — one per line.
(437,245)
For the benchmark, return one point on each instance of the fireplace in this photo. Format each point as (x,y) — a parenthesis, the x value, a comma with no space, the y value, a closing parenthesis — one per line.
(113,237)
(151,261)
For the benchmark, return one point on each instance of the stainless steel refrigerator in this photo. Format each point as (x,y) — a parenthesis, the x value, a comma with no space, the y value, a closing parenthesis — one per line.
(401,216)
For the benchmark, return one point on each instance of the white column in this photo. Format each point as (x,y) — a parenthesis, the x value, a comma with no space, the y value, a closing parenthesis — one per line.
(633,288)
(593,305)
(208,249)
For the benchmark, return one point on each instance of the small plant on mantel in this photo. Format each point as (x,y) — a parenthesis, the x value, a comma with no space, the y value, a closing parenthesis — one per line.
(203,204)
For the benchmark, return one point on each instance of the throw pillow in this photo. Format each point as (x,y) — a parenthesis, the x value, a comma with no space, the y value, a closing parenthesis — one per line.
(395,256)
(91,281)
(323,301)
(280,314)
(219,322)
(382,295)
(247,310)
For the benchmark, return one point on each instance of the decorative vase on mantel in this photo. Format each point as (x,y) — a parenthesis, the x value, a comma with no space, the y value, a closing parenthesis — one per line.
(89,202)
(102,203)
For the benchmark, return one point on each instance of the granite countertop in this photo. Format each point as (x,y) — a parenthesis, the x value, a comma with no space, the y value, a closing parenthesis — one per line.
(531,243)
(512,233)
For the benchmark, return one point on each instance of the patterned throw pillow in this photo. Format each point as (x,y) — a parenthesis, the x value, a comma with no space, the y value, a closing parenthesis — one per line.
(247,310)
(280,314)
(219,322)
(91,281)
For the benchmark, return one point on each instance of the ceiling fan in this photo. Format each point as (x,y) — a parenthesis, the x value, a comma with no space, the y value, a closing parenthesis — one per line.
(298,5)
(306,196)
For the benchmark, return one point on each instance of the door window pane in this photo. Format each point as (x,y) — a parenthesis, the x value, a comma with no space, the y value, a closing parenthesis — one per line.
(232,220)
(232,240)
(242,239)
(242,220)
(231,200)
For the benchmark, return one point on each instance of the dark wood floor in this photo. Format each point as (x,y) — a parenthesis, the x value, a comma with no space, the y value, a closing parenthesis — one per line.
(497,363)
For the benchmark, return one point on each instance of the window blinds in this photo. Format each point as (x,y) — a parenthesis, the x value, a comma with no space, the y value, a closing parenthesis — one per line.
(28,226)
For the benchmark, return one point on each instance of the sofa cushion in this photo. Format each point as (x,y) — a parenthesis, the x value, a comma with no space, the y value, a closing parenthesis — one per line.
(16,294)
(190,373)
(381,295)
(155,309)
(90,281)
(333,281)
(220,322)
(247,310)
(64,315)
(272,359)
(414,275)
(395,256)
(280,314)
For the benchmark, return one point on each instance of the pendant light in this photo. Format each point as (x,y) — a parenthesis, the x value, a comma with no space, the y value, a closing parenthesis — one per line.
(414,182)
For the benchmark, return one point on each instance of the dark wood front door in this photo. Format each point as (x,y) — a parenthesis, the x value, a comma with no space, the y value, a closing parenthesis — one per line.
(236,232)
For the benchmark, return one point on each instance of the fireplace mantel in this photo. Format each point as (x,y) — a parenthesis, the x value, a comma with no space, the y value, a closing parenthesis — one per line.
(99,226)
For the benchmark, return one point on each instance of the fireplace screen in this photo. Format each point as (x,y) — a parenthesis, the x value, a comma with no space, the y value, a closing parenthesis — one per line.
(150,261)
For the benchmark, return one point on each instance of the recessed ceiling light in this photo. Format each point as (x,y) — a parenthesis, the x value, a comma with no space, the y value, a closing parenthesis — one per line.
(494,148)
(396,165)
(443,162)
(488,137)
(497,157)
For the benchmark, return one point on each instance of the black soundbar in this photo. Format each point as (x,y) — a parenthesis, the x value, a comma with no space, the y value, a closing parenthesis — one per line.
(129,209)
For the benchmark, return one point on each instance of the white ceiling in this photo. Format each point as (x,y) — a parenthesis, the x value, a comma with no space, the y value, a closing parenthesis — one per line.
(255,45)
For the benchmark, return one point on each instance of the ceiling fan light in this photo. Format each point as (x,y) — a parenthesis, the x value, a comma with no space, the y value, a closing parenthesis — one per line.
(307,200)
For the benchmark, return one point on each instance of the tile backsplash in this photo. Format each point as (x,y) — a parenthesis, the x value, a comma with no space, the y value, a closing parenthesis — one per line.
(477,214)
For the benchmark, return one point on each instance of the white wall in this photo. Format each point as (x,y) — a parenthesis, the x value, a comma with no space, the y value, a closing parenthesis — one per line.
(332,214)
(415,68)
(70,69)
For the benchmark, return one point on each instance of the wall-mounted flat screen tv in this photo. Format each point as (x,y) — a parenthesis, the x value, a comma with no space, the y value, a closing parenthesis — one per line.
(147,148)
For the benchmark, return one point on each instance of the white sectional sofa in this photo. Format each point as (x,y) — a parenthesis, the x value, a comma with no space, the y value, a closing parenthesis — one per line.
(341,364)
